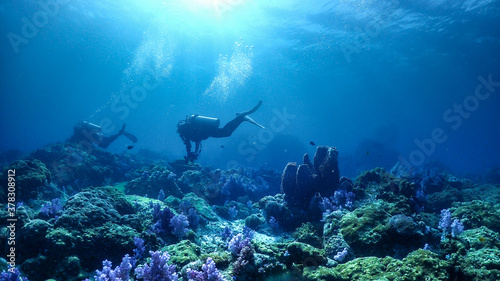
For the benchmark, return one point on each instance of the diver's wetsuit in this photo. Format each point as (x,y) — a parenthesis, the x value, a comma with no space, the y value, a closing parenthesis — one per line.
(85,131)
(191,130)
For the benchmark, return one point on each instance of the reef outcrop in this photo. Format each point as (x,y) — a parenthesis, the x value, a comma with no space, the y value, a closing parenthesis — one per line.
(304,182)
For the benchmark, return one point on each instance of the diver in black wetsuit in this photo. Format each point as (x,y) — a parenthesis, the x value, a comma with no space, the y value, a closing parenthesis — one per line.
(197,128)
(85,131)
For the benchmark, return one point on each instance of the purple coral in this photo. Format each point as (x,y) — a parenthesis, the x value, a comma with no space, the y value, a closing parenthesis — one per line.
(456,228)
(120,273)
(193,217)
(445,220)
(237,243)
(342,198)
(161,195)
(340,256)
(157,269)
(227,233)
(162,219)
(248,232)
(209,272)
(233,212)
(326,206)
(273,222)
(421,196)
(52,208)
(171,176)
(140,250)
(245,258)
(12,274)
(241,246)
(179,224)
(184,206)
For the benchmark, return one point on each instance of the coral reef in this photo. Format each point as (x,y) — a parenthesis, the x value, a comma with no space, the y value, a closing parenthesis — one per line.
(32,181)
(154,180)
(75,167)
(208,224)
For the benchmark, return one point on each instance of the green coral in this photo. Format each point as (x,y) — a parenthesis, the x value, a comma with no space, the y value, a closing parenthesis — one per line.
(221,258)
(152,180)
(379,184)
(253,221)
(478,213)
(367,229)
(320,274)
(483,264)
(112,240)
(479,238)
(443,199)
(422,265)
(310,234)
(183,252)
(369,268)
(270,249)
(305,254)
(72,164)
(93,223)
(88,209)
(31,178)
(32,236)
(372,182)
(43,268)
(275,206)
(418,265)
(201,206)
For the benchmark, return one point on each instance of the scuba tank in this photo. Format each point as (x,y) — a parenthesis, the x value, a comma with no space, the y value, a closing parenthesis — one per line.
(208,122)
(90,126)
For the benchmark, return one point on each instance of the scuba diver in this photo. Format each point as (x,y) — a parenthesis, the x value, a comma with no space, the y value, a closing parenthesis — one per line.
(85,131)
(197,128)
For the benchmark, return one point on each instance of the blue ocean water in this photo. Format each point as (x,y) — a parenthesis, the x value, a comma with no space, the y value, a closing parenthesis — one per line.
(380,80)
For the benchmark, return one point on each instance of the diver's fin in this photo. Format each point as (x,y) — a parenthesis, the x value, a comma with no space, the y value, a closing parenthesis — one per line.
(130,136)
(253,122)
(251,110)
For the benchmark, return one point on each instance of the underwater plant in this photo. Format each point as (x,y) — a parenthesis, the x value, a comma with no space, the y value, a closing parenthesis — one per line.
(161,195)
(209,272)
(52,208)
(140,250)
(341,256)
(193,218)
(237,243)
(162,219)
(120,273)
(179,225)
(12,274)
(226,233)
(157,269)
(454,227)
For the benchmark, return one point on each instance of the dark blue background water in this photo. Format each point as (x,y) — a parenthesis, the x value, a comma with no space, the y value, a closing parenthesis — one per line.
(368,77)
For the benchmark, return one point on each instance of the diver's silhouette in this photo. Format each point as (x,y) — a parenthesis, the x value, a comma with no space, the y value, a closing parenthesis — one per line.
(85,131)
(196,128)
